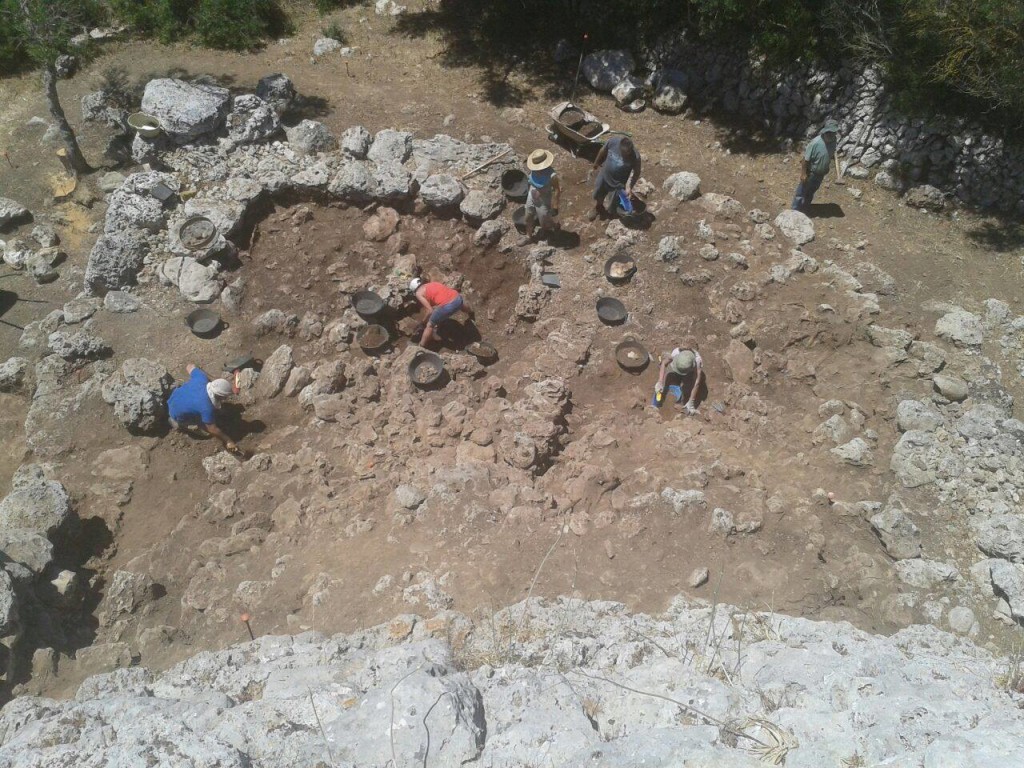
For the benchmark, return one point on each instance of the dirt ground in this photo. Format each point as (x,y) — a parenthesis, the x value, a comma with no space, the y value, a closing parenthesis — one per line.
(796,563)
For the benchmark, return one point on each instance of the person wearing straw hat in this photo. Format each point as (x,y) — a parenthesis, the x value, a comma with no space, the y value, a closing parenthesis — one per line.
(815,164)
(686,369)
(196,402)
(544,195)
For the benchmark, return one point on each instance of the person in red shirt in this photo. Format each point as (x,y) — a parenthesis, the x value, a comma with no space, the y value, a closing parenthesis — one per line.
(439,303)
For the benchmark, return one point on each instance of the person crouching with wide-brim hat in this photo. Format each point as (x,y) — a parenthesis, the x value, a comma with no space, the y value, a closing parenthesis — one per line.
(544,195)
(683,370)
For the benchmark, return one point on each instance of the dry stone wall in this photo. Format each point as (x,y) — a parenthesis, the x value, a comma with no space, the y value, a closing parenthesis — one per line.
(877,140)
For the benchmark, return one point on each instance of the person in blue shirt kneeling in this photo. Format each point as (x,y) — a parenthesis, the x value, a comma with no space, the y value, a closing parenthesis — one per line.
(195,403)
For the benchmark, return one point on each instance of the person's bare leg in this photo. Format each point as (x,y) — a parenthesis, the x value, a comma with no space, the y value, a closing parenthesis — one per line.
(428,335)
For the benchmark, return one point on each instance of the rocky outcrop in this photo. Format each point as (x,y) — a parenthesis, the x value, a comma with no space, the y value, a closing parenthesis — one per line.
(186,110)
(571,681)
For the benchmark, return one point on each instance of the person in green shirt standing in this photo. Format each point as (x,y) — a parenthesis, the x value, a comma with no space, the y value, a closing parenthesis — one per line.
(815,164)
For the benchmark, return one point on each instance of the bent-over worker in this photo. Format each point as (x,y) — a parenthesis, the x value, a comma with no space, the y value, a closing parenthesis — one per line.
(545,193)
(815,164)
(686,370)
(439,303)
(619,164)
(196,402)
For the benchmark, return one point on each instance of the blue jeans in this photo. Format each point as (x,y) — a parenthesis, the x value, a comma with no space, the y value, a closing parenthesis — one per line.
(805,192)
(442,313)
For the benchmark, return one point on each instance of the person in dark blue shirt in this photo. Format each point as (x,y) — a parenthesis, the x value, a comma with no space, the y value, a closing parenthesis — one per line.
(618,166)
(195,403)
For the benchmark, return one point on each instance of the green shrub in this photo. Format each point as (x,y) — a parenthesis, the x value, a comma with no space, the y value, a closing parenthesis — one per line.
(230,24)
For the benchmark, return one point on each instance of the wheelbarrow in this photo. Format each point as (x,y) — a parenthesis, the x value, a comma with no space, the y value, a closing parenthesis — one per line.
(577,128)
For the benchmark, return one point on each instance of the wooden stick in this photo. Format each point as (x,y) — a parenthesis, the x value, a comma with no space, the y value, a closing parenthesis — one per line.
(839,173)
(480,167)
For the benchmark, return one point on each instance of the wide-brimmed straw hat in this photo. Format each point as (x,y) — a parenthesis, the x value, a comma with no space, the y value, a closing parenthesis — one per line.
(540,159)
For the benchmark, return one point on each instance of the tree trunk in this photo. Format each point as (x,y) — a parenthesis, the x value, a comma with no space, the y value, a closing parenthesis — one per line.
(74,153)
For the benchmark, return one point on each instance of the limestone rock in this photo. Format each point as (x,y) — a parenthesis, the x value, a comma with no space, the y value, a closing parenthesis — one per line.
(856,453)
(913,414)
(925,196)
(606,69)
(12,212)
(251,120)
(124,595)
(81,345)
(628,89)
(12,374)
(1008,582)
(8,605)
(480,205)
(963,328)
(355,142)
(197,282)
(684,502)
(185,110)
(669,99)
(925,574)
(275,372)
(1000,536)
(121,302)
(326,45)
(278,91)
(138,392)
(490,232)
(723,205)
(683,185)
(441,192)
(390,146)
(36,505)
(310,138)
(898,534)
(951,387)
(114,261)
(796,226)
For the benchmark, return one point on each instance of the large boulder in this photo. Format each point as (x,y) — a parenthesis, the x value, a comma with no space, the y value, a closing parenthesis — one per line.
(310,137)
(606,69)
(186,110)
(480,205)
(36,504)
(795,225)
(629,89)
(441,191)
(390,146)
(138,392)
(278,91)
(669,100)
(12,212)
(683,185)
(82,345)
(115,261)
(354,182)
(135,205)
(925,196)
(251,120)
(197,282)
(275,372)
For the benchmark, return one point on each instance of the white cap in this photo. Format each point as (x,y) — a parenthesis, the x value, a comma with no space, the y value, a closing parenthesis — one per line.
(219,389)
(414,284)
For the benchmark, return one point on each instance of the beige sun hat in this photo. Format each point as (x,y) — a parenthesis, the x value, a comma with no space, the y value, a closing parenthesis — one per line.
(540,159)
